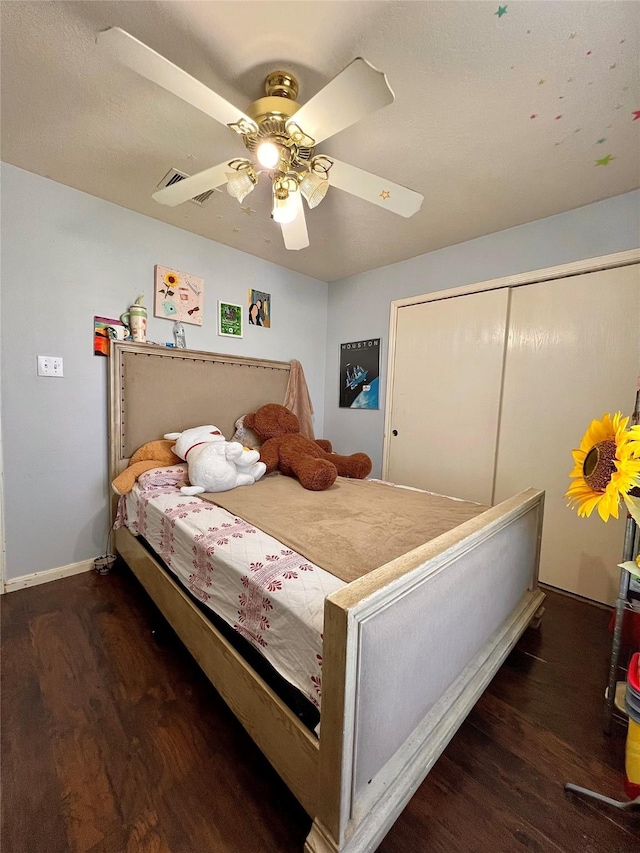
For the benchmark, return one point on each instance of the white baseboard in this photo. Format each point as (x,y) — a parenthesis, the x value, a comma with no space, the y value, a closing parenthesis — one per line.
(12,584)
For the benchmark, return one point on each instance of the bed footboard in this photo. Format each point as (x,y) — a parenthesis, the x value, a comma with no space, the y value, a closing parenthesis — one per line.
(408,650)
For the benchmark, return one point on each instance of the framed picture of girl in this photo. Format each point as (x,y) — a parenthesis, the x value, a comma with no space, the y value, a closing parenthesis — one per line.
(259,308)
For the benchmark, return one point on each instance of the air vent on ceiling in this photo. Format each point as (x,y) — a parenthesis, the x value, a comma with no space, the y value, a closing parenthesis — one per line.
(173,176)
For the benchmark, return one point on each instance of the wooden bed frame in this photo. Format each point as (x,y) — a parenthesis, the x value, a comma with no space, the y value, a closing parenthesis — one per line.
(408,648)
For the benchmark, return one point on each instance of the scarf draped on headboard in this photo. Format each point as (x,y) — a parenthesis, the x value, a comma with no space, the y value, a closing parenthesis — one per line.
(298,401)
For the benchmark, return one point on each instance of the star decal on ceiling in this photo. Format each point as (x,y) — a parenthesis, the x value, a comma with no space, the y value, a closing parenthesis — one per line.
(600,141)
(267,240)
(385,194)
(219,216)
(572,35)
(636,115)
(235,230)
(502,10)
(604,161)
(248,210)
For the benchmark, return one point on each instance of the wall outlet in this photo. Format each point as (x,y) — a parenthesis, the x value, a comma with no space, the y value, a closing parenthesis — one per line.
(49,365)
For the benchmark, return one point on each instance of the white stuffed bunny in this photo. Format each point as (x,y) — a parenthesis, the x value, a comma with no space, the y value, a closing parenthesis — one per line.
(215,464)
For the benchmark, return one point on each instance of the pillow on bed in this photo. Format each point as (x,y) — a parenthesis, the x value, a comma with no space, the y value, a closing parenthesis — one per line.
(175,475)
(246,436)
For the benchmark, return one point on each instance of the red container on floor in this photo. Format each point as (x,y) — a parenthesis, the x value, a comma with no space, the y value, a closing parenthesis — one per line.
(632,751)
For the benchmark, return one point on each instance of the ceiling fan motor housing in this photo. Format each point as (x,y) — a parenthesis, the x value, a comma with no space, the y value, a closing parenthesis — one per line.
(271,114)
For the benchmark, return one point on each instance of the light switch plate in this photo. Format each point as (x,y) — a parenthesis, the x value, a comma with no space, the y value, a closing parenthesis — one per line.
(50,365)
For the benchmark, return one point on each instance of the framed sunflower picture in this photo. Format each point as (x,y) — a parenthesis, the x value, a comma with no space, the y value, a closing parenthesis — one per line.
(178,295)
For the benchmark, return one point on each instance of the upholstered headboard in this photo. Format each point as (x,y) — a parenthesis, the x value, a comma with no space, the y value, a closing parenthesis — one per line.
(154,390)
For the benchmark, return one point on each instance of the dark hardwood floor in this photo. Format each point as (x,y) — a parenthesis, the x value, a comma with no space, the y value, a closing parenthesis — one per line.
(113,741)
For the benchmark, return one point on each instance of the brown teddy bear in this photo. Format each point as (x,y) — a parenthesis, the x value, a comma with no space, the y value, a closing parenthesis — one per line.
(153,454)
(312,462)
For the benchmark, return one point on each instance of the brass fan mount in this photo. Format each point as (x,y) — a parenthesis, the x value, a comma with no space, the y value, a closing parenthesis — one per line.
(271,114)
(280,102)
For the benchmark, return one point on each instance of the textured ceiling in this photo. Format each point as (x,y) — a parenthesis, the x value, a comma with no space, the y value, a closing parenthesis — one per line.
(499,119)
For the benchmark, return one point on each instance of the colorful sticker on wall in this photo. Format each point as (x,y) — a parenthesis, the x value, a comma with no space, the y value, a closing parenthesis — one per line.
(359,374)
(259,308)
(229,320)
(178,296)
(104,329)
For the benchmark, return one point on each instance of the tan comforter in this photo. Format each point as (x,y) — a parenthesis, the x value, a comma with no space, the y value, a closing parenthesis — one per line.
(349,529)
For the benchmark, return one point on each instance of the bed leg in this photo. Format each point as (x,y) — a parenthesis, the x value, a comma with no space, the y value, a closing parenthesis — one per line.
(319,840)
(536,619)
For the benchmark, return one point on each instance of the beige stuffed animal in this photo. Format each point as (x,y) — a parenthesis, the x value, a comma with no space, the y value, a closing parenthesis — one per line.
(153,454)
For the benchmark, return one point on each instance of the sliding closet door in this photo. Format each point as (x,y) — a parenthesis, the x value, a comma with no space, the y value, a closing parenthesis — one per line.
(573,353)
(446,394)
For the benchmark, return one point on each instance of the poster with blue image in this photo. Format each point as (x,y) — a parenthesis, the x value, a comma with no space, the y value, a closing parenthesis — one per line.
(359,374)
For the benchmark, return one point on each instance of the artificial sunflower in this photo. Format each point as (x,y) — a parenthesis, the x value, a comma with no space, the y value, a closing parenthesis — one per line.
(607,468)
(170,279)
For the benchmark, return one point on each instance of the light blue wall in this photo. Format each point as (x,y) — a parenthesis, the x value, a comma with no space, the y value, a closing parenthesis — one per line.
(67,256)
(359,306)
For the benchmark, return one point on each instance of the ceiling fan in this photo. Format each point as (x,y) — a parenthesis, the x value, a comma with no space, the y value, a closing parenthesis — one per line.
(280,135)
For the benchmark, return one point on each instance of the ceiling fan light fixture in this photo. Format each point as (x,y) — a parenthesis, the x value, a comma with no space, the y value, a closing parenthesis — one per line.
(268,154)
(314,188)
(242,180)
(284,206)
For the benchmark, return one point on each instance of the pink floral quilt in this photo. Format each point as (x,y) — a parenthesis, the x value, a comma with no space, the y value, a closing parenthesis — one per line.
(271,595)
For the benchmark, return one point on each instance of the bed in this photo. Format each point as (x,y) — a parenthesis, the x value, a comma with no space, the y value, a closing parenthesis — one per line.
(407,648)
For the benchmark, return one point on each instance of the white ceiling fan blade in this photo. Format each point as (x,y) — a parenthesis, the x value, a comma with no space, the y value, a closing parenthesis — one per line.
(294,233)
(146,62)
(356,92)
(375,189)
(189,188)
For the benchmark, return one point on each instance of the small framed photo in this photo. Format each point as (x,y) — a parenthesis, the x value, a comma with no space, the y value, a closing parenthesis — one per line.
(259,308)
(229,319)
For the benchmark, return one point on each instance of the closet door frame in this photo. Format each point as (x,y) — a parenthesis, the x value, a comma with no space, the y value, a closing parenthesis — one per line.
(619,259)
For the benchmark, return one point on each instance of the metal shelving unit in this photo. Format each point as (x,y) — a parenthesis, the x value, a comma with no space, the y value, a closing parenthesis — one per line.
(623,603)
(629,552)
